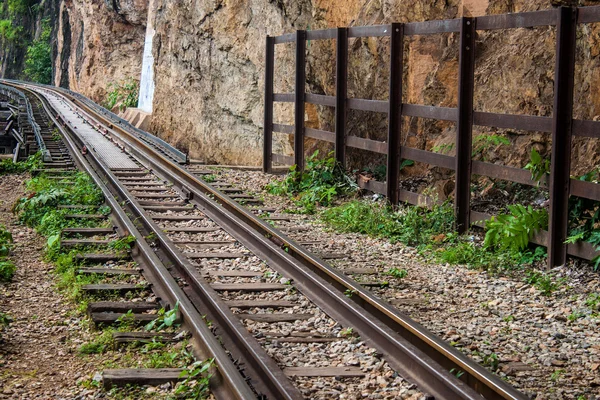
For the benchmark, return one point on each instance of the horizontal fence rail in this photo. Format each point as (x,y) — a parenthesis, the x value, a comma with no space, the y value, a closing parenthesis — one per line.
(560,125)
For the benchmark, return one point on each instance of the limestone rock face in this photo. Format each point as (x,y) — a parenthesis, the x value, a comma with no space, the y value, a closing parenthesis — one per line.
(209,67)
(99,42)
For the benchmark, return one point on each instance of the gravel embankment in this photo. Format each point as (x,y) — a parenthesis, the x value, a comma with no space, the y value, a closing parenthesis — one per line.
(545,345)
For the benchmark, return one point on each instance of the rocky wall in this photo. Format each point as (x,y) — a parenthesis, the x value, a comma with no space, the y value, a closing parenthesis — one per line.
(209,67)
(99,42)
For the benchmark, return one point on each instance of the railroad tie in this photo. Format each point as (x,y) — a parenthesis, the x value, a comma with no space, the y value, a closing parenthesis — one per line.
(191,230)
(142,376)
(85,242)
(345,372)
(89,231)
(85,216)
(214,255)
(169,208)
(247,287)
(178,217)
(101,257)
(202,244)
(110,318)
(109,271)
(275,317)
(121,306)
(240,274)
(114,287)
(260,303)
(121,338)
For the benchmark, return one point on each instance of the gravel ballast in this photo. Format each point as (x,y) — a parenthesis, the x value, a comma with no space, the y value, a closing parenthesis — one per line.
(547,346)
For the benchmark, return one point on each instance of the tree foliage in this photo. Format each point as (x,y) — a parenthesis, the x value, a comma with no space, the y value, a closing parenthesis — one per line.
(38,61)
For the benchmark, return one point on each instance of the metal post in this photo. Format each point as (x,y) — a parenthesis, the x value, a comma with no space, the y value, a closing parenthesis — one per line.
(300,96)
(341,94)
(561,135)
(395,113)
(268,118)
(464,127)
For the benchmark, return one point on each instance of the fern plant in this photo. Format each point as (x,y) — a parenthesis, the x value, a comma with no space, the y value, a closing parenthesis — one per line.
(539,167)
(513,231)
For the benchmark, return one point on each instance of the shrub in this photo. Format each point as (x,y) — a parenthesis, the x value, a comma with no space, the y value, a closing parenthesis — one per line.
(319,184)
(124,94)
(38,61)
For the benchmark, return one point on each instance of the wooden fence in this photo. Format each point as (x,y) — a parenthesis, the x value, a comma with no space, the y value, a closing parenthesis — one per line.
(561,125)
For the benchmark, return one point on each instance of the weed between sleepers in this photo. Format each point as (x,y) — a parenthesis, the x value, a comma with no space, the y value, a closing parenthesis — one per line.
(40,211)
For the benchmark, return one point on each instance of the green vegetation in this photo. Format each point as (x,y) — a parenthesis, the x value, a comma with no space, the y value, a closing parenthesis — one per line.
(539,167)
(410,225)
(124,94)
(7,267)
(164,319)
(319,184)
(100,345)
(543,282)
(38,61)
(397,273)
(483,143)
(431,231)
(32,162)
(584,217)
(5,320)
(19,6)
(8,31)
(39,210)
(514,230)
(122,245)
(196,383)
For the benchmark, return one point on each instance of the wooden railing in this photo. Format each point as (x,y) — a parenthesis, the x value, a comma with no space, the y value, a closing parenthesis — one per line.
(561,125)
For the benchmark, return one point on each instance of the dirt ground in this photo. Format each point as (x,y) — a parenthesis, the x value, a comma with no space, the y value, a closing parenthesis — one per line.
(37,350)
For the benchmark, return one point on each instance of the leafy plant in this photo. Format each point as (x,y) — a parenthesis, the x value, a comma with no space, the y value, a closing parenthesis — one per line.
(124,94)
(556,374)
(514,230)
(409,225)
(7,166)
(491,361)
(539,167)
(584,217)
(397,273)
(7,270)
(593,301)
(164,319)
(196,383)
(443,148)
(123,244)
(543,282)
(483,143)
(38,60)
(100,345)
(209,178)
(320,182)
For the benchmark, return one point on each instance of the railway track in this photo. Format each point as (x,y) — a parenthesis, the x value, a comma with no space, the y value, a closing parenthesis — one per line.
(273,304)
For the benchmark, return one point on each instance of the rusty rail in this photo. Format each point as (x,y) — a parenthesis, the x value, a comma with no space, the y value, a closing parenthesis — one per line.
(411,349)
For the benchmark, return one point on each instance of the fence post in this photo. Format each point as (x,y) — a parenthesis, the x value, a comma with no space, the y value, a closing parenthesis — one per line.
(341,94)
(395,113)
(299,99)
(560,170)
(464,127)
(268,117)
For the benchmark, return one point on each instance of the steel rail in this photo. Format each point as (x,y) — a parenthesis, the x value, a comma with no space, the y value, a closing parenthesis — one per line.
(314,275)
(154,270)
(37,132)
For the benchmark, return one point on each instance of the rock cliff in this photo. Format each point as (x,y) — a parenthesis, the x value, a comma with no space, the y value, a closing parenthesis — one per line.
(209,66)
